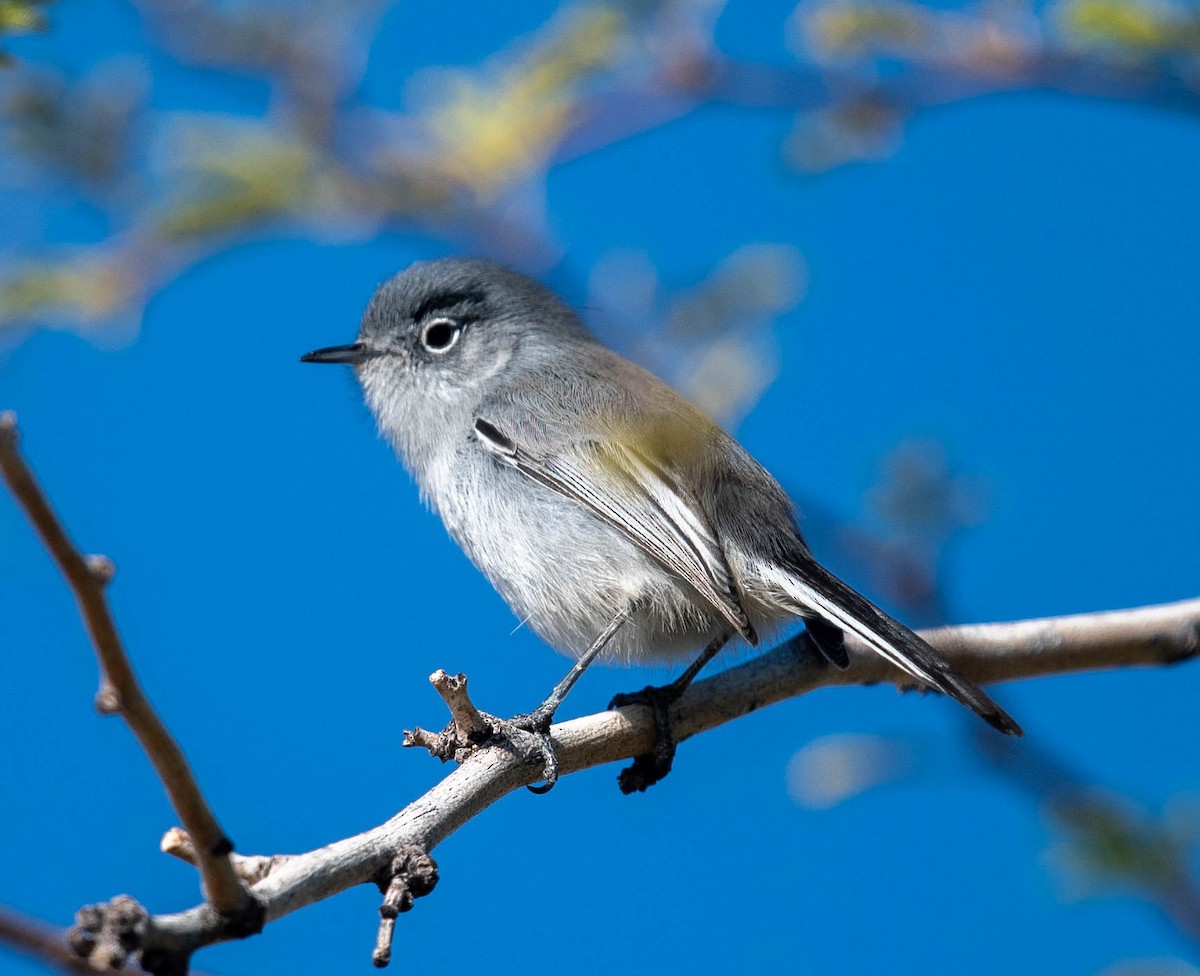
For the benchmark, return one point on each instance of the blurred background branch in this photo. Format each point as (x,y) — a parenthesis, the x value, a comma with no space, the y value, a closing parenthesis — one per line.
(1107,843)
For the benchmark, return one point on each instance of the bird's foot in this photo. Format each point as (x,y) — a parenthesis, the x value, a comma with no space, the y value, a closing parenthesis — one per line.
(654,766)
(536,724)
(527,735)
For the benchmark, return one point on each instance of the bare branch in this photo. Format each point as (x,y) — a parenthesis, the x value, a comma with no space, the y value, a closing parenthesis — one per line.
(395,855)
(1164,634)
(989,652)
(120,692)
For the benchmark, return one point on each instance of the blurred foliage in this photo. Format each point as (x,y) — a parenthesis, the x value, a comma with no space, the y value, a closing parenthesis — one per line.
(493,127)
(919,497)
(467,159)
(713,341)
(1107,843)
(980,39)
(996,38)
(862,130)
(20,17)
(916,55)
(918,508)
(1131,30)
(91,291)
(1104,842)
(234,179)
(81,132)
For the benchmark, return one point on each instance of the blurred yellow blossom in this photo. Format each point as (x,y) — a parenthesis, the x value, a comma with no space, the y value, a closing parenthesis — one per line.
(1141,26)
(87,292)
(495,126)
(840,28)
(233,175)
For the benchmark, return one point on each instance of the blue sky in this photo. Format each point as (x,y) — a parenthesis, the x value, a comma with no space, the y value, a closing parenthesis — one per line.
(1019,283)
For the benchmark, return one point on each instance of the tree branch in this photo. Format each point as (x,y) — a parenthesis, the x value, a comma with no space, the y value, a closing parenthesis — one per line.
(48,944)
(1148,636)
(120,693)
(394,855)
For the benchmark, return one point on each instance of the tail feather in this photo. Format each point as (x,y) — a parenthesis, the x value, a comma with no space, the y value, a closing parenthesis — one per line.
(816,589)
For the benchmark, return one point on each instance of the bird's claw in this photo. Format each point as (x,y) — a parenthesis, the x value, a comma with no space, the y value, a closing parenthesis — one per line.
(655,765)
(537,724)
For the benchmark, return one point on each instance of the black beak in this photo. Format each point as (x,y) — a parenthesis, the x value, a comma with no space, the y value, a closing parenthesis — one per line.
(356,352)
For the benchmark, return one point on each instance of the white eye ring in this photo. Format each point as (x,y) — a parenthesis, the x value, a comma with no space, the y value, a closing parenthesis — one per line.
(440,335)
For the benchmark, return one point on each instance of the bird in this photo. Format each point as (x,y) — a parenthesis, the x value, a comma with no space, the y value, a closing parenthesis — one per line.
(614,518)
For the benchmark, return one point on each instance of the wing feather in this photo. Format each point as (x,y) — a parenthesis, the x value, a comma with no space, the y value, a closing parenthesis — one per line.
(639,497)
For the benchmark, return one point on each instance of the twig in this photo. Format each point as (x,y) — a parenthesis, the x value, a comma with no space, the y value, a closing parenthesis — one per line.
(990,652)
(120,693)
(467,718)
(411,875)
(469,728)
(250,868)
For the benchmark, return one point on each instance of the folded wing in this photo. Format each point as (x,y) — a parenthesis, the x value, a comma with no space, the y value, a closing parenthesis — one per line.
(639,497)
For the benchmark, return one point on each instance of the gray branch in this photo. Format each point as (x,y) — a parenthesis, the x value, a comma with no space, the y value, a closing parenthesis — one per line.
(395,855)
(1150,636)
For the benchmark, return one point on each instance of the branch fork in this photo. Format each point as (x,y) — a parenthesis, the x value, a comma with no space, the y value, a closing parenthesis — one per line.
(250,868)
(470,729)
(109,933)
(243,893)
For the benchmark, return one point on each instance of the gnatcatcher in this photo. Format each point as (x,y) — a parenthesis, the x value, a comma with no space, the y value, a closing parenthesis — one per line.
(610,514)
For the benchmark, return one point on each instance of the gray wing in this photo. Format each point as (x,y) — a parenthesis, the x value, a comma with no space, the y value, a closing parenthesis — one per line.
(640,498)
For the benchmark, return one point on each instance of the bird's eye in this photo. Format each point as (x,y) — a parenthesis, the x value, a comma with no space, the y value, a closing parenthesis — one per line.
(440,335)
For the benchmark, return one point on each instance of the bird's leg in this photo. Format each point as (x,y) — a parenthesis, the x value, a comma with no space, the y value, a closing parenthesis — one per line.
(649,769)
(539,720)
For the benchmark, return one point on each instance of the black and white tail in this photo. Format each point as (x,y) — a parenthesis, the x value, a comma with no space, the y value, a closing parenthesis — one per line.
(815,589)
